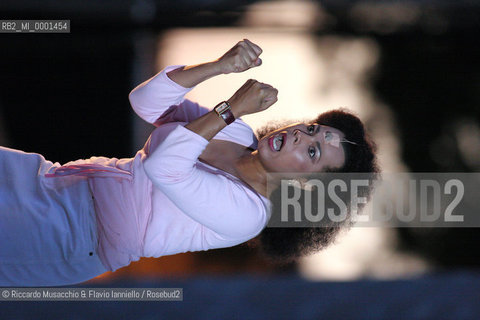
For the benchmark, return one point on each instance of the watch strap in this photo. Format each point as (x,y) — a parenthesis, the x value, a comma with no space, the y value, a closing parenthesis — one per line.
(224,111)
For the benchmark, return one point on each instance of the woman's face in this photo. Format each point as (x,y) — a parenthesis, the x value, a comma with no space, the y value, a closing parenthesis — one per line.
(302,147)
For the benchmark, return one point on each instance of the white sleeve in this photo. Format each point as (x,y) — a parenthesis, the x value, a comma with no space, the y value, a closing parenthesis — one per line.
(152,98)
(218,203)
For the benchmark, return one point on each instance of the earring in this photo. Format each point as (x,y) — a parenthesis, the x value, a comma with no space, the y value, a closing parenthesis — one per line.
(347,141)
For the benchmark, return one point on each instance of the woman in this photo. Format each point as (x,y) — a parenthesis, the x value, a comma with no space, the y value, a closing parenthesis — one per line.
(199,182)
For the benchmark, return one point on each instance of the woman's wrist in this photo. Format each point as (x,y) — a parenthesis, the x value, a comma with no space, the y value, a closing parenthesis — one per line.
(235,108)
(217,67)
(190,76)
(207,126)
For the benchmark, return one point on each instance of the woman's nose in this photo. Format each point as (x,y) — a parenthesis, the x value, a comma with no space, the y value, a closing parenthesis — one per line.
(299,135)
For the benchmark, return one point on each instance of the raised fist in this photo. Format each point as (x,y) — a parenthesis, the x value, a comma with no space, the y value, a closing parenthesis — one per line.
(243,56)
(252,97)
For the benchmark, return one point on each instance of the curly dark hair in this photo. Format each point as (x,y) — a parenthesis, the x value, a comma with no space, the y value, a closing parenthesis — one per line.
(282,245)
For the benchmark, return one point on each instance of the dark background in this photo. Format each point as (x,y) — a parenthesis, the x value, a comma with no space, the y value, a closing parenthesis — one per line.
(65,95)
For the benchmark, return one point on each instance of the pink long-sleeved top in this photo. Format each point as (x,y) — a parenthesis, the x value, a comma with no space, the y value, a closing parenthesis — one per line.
(164,200)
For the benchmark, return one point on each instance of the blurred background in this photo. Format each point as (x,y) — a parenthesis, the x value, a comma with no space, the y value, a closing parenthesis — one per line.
(409,69)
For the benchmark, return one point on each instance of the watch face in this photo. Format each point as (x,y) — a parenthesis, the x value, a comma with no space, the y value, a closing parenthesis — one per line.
(222,108)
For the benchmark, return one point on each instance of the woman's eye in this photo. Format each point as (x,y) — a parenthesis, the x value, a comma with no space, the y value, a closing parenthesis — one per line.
(311,152)
(311,128)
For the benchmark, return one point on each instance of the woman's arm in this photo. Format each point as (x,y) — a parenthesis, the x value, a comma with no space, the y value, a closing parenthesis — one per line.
(212,200)
(252,97)
(241,57)
(157,98)
(154,97)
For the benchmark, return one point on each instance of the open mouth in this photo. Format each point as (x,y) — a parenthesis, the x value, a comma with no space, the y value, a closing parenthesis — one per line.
(277,141)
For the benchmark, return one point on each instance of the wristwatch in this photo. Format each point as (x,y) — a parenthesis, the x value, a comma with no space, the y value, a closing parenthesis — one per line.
(224,111)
